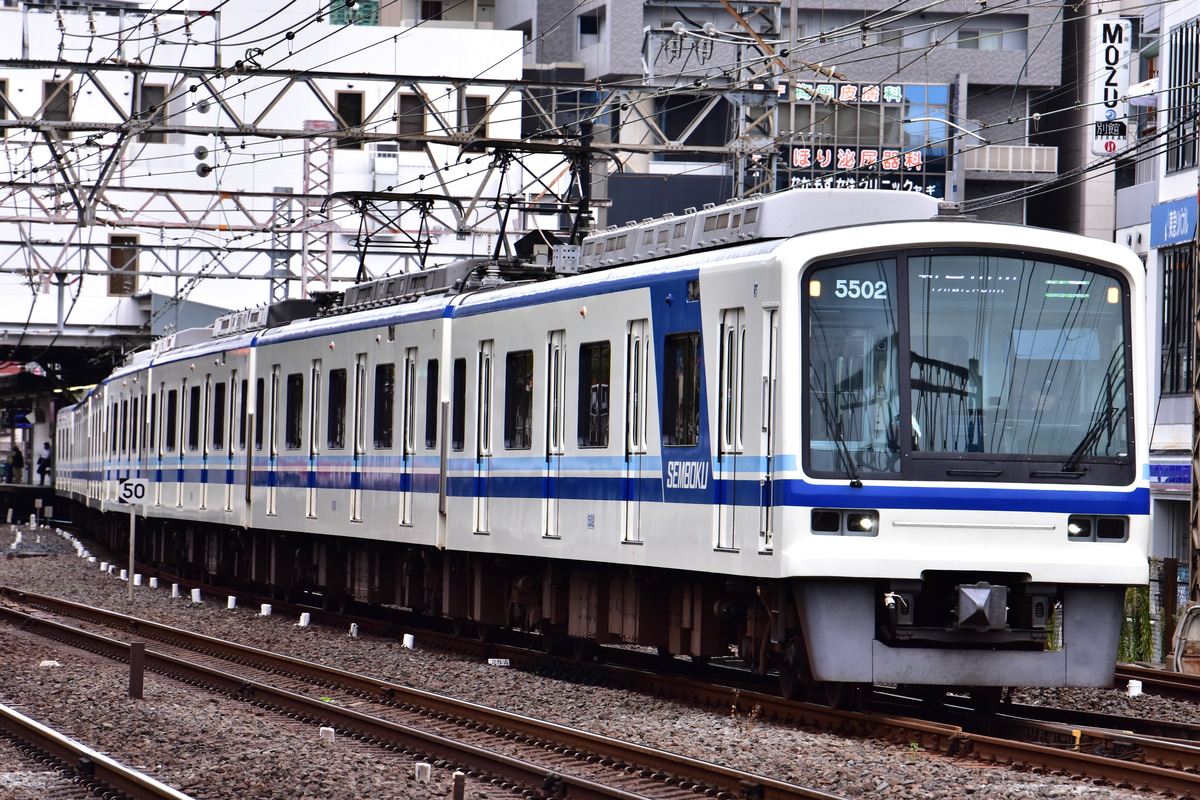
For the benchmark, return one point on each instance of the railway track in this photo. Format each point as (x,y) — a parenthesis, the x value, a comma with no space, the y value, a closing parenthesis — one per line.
(529,756)
(1111,749)
(60,768)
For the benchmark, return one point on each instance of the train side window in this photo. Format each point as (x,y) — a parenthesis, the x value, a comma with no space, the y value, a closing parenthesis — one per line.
(293,426)
(133,424)
(385,401)
(152,410)
(458,427)
(218,424)
(595,362)
(124,426)
(243,413)
(314,412)
(193,440)
(518,400)
(681,390)
(431,403)
(171,420)
(260,407)
(273,410)
(113,427)
(335,427)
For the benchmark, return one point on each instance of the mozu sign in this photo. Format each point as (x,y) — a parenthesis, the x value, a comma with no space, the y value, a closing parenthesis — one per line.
(1110,87)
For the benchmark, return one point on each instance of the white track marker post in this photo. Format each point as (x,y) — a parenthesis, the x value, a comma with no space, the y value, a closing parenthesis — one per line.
(132,491)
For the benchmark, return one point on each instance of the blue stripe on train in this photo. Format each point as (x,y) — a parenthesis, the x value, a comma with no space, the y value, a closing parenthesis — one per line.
(786,492)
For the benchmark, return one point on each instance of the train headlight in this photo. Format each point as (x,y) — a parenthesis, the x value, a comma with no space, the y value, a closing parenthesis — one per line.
(845,522)
(1089,528)
(862,522)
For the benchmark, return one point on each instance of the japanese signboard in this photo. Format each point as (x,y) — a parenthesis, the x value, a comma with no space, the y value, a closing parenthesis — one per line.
(1110,86)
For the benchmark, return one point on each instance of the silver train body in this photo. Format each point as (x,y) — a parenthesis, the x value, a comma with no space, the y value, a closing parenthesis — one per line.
(843,438)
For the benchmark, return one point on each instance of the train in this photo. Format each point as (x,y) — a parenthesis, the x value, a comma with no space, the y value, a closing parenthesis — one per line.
(847,437)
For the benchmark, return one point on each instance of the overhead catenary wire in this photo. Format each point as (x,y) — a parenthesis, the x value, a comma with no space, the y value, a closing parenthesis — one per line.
(685,88)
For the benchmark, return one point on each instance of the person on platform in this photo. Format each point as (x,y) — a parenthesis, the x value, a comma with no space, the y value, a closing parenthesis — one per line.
(44,463)
(16,467)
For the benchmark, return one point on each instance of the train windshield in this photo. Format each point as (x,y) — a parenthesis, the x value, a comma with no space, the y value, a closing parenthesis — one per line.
(931,364)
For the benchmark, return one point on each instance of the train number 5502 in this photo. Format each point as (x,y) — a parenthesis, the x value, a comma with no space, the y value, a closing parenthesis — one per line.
(868,290)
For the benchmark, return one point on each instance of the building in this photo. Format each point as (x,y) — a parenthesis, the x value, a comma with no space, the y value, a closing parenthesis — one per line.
(162,167)
(864,95)
(1156,215)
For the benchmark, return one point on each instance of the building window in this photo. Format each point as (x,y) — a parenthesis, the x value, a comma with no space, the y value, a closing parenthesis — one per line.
(681,390)
(431,10)
(679,118)
(1182,96)
(350,110)
(518,400)
(595,360)
(412,121)
(1177,305)
(979,40)
(56,101)
(591,28)
(152,108)
(472,119)
(354,12)
(123,263)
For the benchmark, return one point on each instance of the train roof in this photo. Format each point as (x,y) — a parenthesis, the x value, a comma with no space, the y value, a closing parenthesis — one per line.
(713,233)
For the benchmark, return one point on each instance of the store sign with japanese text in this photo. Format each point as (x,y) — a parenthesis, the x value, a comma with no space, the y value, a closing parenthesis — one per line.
(1110,87)
(859,136)
(849,93)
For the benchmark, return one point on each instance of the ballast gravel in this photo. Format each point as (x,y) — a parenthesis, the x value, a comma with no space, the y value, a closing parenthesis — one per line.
(214,748)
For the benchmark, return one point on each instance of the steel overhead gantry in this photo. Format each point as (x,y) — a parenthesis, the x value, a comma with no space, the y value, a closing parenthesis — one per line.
(83,156)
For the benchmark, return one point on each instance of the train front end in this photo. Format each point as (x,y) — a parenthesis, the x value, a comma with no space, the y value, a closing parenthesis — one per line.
(969,503)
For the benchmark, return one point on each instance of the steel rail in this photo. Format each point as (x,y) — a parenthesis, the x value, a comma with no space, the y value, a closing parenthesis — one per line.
(102,774)
(1175,685)
(667,767)
(1141,762)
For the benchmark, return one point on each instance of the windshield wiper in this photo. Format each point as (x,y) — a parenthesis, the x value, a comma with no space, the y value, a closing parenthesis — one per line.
(842,448)
(1091,436)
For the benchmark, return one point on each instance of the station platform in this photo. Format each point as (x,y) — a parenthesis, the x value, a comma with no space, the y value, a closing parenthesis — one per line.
(24,499)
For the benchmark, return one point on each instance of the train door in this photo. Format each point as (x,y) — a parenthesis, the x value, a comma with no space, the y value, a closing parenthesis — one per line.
(483,437)
(733,490)
(204,410)
(408,435)
(766,527)
(176,408)
(360,436)
(155,433)
(637,346)
(273,443)
(314,440)
(230,411)
(555,421)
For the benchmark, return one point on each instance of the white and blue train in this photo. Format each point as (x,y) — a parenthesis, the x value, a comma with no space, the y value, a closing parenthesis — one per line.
(837,433)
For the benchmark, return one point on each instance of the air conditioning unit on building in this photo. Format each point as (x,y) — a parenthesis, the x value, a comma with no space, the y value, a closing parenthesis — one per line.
(1011,158)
